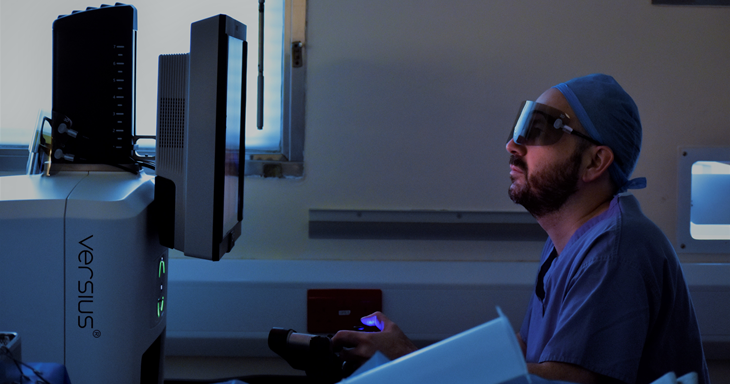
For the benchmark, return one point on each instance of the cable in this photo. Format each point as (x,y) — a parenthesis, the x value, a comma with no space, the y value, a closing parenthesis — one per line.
(146,161)
(6,352)
(146,165)
(65,128)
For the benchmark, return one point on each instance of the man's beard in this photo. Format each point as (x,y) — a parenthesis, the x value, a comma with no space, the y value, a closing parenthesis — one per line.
(547,191)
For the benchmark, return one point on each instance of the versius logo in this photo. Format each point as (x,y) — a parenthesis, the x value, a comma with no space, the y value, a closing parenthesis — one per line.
(86,286)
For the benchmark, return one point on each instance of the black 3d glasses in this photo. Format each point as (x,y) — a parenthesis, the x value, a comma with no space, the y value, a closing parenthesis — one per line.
(539,124)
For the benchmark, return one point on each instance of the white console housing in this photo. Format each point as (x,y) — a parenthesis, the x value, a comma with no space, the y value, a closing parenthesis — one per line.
(84,276)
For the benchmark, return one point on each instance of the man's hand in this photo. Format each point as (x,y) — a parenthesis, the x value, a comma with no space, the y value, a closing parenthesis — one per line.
(357,347)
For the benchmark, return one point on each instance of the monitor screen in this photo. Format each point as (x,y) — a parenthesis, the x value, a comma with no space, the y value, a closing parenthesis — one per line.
(234,122)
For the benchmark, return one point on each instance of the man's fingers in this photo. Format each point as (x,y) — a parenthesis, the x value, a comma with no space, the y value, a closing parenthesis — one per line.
(376,319)
(346,339)
(355,354)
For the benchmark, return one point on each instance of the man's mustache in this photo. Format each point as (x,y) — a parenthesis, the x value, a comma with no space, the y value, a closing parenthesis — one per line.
(517,162)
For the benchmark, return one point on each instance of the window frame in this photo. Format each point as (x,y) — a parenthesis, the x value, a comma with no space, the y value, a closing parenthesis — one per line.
(288,162)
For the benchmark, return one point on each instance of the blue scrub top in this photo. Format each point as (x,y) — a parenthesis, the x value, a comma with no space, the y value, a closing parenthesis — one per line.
(616,302)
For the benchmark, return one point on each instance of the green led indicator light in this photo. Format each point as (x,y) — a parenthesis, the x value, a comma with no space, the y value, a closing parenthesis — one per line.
(161,268)
(160,306)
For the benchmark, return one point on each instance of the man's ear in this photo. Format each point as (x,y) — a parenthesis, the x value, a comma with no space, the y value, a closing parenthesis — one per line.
(597,159)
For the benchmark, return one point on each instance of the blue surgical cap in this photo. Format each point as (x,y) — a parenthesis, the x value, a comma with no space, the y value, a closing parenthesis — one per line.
(610,116)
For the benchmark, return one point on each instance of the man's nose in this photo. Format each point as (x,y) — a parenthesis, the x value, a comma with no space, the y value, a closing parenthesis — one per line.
(514,149)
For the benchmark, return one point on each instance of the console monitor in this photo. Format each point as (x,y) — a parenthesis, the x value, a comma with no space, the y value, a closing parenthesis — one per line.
(200,140)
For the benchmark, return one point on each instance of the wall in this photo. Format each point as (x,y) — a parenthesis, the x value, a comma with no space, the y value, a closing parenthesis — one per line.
(409,104)
(227,308)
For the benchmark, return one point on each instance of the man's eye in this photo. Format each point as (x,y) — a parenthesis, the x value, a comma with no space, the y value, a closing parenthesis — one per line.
(538,124)
(536,132)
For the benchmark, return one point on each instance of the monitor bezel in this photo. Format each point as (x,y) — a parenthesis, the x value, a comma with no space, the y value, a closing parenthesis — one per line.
(205,181)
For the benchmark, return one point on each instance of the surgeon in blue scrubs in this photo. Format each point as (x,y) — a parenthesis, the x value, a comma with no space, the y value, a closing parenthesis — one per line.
(610,302)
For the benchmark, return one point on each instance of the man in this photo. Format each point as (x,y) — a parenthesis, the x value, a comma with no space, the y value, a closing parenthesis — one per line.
(610,301)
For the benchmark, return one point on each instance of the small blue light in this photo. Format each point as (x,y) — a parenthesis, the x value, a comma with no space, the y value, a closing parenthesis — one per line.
(373,321)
